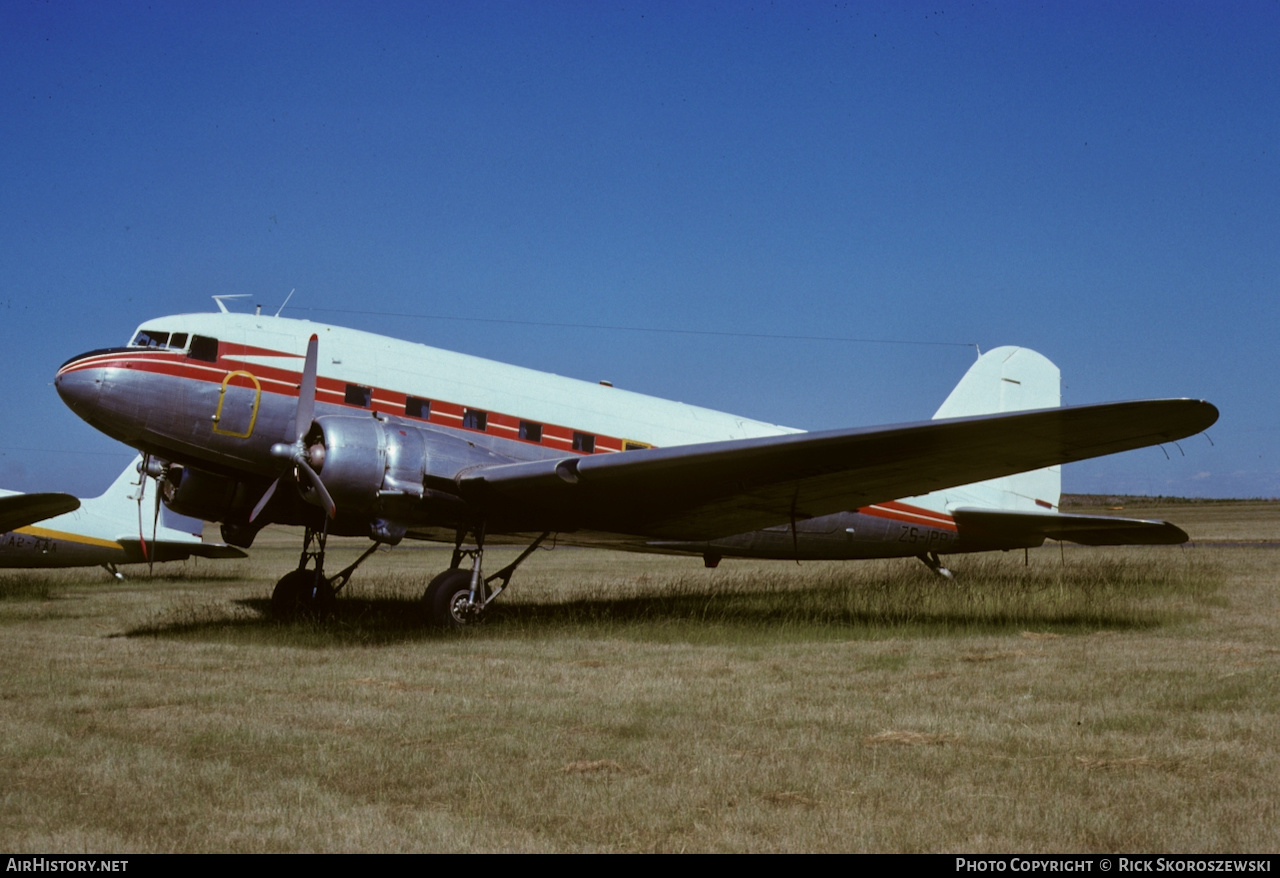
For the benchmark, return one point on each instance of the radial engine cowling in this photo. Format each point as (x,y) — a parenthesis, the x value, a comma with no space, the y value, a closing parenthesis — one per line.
(365,459)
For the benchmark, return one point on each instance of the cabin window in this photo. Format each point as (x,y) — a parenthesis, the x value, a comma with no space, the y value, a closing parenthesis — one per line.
(530,432)
(417,408)
(633,445)
(204,348)
(358,394)
(474,419)
(584,442)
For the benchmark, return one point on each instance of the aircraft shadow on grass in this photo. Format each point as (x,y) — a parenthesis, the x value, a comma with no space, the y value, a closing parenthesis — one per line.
(693,615)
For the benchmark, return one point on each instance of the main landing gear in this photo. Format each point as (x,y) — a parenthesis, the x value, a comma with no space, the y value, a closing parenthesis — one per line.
(306,592)
(457,597)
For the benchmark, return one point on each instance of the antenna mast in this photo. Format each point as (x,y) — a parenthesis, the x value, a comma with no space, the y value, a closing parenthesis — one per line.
(286,301)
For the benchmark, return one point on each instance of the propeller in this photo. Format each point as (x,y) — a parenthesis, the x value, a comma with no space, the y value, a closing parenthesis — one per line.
(306,456)
(145,469)
(142,489)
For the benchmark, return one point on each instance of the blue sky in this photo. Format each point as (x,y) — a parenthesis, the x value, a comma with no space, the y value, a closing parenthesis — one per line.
(1098,181)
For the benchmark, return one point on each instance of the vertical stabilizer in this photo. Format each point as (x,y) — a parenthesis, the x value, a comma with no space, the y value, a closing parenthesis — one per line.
(119,505)
(121,499)
(1007,379)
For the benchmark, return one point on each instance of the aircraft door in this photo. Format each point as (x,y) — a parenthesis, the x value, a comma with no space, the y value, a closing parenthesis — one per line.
(239,399)
(239,394)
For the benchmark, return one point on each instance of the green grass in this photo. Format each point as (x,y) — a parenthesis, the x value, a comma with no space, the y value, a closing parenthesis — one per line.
(1098,700)
(27,587)
(758,603)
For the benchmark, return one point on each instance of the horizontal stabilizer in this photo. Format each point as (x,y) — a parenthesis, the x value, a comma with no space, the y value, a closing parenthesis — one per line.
(1088,530)
(20,510)
(167,551)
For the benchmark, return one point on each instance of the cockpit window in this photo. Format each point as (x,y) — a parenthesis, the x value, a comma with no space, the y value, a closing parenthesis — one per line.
(155,339)
(150,338)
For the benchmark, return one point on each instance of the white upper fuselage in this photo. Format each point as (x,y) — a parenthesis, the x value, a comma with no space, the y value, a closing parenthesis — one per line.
(394,370)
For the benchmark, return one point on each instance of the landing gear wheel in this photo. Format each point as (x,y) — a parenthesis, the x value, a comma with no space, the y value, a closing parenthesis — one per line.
(302,594)
(444,603)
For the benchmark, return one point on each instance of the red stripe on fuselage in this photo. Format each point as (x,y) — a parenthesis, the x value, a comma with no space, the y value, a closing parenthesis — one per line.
(897,511)
(285,382)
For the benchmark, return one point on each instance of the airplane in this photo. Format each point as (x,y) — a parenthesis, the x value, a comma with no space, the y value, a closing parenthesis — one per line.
(59,530)
(377,437)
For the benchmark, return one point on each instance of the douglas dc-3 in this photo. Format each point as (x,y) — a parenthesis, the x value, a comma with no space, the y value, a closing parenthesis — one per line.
(249,419)
(59,530)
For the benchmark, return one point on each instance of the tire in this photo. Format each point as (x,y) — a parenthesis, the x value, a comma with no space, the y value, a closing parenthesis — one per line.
(302,594)
(444,601)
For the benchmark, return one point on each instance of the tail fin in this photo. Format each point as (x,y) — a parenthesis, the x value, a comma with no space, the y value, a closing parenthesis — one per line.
(1005,379)
(121,498)
(119,503)
(1008,379)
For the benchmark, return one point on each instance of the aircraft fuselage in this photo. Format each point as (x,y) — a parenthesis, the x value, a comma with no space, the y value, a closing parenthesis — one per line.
(213,393)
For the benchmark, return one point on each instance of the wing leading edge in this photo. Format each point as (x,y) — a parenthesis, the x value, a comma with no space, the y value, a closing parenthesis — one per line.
(715,489)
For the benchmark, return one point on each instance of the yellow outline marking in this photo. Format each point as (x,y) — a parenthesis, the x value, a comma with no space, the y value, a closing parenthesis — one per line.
(222,395)
(45,533)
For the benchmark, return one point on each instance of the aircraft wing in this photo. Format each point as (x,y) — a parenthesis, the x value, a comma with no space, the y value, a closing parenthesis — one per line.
(1006,526)
(714,489)
(20,510)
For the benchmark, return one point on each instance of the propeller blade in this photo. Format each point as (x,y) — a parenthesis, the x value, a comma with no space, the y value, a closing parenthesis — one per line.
(257,510)
(142,490)
(325,500)
(155,521)
(307,391)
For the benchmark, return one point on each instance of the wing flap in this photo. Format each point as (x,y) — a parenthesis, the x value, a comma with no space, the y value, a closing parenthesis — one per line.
(720,488)
(20,510)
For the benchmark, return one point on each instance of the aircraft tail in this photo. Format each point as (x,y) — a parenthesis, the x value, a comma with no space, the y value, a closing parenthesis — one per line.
(1022,509)
(1007,379)
(122,497)
(119,503)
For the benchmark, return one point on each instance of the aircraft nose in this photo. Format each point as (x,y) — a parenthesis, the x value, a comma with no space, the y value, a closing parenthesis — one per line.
(79,384)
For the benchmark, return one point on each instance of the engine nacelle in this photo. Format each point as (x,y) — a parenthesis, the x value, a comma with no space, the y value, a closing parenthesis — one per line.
(372,467)
(198,494)
(363,459)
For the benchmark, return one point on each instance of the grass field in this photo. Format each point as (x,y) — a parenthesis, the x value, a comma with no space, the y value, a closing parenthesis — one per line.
(1096,700)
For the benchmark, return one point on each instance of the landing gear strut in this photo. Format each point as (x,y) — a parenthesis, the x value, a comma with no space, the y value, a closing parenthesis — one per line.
(306,592)
(934,563)
(457,597)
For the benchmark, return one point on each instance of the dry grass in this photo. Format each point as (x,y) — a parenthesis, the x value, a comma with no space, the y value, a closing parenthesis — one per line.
(1098,700)
(907,739)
